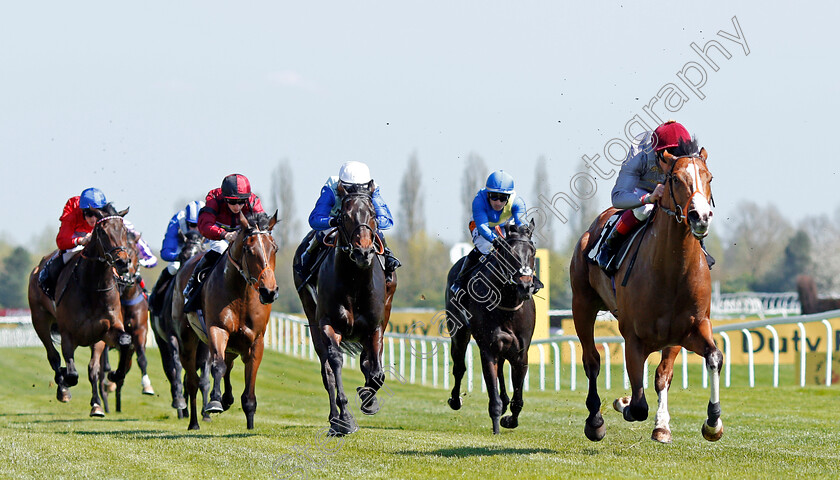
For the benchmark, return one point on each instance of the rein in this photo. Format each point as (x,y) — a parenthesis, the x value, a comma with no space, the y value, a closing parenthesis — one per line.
(348,238)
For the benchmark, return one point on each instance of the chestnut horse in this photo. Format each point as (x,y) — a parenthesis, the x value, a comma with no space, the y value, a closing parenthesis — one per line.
(498,301)
(350,303)
(87,309)
(235,305)
(166,332)
(662,304)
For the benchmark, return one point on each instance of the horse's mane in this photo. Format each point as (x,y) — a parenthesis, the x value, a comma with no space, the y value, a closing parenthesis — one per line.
(685,148)
(258,220)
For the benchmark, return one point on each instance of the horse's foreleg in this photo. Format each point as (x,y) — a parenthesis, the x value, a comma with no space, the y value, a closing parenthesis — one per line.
(343,423)
(43,329)
(217,341)
(94,368)
(664,375)
(489,368)
(203,363)
(188,360)
(637,409)
(168,347)
(702,341)
(142,363)
(249,396)
(374,375)
(458,343)
(518,371)
(68,350)
(122,339)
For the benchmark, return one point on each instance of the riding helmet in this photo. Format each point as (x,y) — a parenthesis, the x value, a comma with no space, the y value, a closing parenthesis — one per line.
(354,173)
(192,210)
(92,198)
(236,187)
(500,182)
(669,135)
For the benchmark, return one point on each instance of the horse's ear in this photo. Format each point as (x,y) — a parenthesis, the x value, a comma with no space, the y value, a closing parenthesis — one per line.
(371,186)
(272,221)
(704,154)
(181,237)
(668,159)
(340,189)
(124,212)
(532,224)
(243,221)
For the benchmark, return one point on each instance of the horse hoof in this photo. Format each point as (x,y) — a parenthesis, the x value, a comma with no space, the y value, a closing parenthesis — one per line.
(71,379)
(370,404)
(206,418)
(110,386)
(63,395)
(214,406)
(661,435)
(713,434)
(182,413)
(227,403)
(339,428)
(116,378)
(595,434)
(96,411)
(147,385)
(193,426)
(454,403)
(510,422)
(621,403)
(179,404)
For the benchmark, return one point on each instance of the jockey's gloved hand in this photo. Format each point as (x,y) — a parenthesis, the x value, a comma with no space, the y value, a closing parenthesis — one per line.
(498,243)
(333,221)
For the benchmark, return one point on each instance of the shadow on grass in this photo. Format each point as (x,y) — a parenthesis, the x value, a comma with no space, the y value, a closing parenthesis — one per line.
(478,451)
(157,434)
(67,420)
(25,414)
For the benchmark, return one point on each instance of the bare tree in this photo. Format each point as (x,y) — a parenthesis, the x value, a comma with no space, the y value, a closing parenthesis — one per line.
(283,199)
(585,215)
(411,216)
(542,188)
(758,238)
(475,174)
(824,233)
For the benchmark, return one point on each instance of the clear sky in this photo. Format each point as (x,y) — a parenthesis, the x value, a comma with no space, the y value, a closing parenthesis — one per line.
(155,102)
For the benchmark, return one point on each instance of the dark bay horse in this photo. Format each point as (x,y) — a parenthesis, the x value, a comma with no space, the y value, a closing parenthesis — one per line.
(87,310)
(497,308)
(665,302)
(166,332)
(235,304)
(350,303)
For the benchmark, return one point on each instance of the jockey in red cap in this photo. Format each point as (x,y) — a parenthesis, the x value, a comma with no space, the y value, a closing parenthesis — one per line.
(640,184)
(218,221)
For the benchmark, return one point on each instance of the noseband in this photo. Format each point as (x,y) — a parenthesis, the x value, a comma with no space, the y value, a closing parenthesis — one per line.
(243,269)
(348,238)
(111,256)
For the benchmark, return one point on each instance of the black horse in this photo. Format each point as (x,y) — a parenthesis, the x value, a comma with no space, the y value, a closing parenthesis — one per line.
(351,302)
(497,307)
(166,333)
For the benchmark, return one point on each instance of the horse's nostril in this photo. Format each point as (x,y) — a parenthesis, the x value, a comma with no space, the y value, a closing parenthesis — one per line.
(693,216)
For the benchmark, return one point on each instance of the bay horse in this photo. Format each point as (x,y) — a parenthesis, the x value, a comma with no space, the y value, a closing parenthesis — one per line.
(166,332)
(235,305)
(87,310)
(497,308)
(350,305)
(663,304)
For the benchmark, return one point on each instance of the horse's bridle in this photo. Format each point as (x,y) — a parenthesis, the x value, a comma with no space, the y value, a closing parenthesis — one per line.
(348,238)
(111,256)
(679,212)
(243,269)
(510,275)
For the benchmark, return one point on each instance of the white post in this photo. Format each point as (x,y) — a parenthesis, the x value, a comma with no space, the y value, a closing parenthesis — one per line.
(624,357)
(572,364)
(436,346)
(413,361)
(446,365)
(608,363)
(684,360)
(469,368)
(556,347)
(425,361)
(828,348)
(727,350)
(542,367)
(750,356)
(775,354)
(802,347)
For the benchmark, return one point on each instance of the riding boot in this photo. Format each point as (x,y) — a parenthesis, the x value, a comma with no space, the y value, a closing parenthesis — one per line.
(308,257)
(193,285)
(608,249)
(158,291)
(392,263)
(48,276)
(469,264)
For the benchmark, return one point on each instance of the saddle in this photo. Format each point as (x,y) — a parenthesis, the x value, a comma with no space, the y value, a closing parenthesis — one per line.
(620,252)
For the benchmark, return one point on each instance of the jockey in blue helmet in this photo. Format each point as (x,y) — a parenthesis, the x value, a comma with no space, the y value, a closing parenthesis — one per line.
(182,222)
(493,206)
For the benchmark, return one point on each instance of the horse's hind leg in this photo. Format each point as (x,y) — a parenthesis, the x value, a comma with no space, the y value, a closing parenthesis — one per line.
(503,395)
(94,368)
(341,420)
(584,312)
(249,396)
(459,341)
(371,366)
(188,360)
(142,363)
(664,375)
(43,327)
(227,397)
(636,410)
(217,342)
(518,371)
(202,356)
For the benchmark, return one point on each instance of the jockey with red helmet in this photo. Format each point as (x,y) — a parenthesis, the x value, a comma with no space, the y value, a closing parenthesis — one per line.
(218,221)
(77,221)
(324,216)
(494,205)
(640,184)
